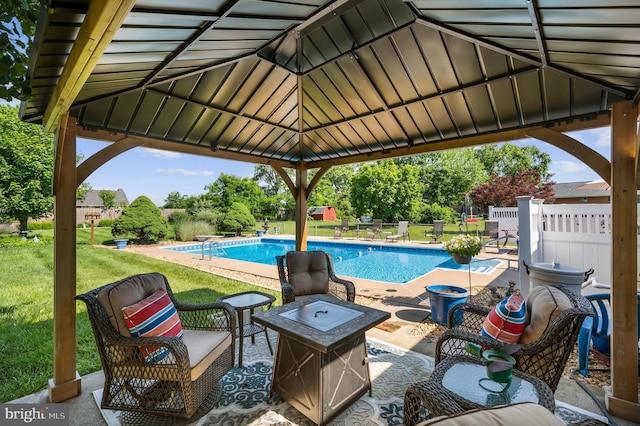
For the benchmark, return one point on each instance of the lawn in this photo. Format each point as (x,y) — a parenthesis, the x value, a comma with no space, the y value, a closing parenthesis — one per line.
(26,279)
(26,308)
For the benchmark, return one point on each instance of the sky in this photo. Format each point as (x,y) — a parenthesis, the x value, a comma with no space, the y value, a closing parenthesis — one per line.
(154,173)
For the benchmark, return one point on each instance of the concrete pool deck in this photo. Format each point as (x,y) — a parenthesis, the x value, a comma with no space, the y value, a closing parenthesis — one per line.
(408,303)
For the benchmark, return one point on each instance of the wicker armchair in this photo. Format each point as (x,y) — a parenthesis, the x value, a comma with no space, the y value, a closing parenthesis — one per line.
(303,273)
(544,358)
(185,383)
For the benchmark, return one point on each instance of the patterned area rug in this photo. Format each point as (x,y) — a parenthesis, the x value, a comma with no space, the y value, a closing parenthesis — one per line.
(245,395)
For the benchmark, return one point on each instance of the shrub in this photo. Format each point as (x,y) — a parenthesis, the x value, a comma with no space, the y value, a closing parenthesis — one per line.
(237,219)
(187,231)
(33,226)
(141,218)
(208,216)
(105,223)
(179,217)
(431,212)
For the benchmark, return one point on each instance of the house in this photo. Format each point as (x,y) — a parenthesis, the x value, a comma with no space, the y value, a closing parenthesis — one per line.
(592,192)
(92,199)
(322,213)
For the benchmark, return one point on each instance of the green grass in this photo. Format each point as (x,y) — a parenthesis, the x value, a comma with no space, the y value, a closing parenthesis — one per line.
(26,307)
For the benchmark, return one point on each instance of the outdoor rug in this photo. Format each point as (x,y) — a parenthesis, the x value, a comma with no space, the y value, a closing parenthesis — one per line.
(245,391)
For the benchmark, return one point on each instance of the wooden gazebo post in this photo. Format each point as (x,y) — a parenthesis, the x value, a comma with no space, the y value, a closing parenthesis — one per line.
(66,380)
(623,401)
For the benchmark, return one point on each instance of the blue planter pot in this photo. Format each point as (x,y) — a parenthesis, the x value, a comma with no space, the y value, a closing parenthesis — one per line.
(121,244)
(259,233)
(441,298)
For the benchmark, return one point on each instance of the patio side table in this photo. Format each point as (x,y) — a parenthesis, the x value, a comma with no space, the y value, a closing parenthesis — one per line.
(249,301)
(454,385)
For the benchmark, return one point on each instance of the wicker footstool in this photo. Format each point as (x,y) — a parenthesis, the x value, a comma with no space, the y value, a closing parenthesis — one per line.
(454,387)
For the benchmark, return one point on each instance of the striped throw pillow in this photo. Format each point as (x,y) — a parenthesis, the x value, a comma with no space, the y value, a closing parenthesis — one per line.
(506,321)
(153,316)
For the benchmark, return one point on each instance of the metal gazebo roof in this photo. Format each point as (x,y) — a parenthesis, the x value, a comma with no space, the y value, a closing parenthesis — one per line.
(319,81)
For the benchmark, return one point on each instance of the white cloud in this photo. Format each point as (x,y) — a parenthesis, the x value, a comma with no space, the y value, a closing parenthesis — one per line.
(568,166)
(158,153)
(186,172)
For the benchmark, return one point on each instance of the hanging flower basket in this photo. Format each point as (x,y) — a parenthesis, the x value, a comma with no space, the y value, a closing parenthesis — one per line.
(463,247)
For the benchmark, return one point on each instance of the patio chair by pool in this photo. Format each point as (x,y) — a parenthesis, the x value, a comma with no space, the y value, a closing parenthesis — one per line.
(403,232)
(437,230)
(159,365)
(555,315)
(491,232)
(376,228)
(595,333)
(304,273)
(344,228)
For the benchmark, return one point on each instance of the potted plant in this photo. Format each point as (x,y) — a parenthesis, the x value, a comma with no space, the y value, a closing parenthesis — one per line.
(463,247)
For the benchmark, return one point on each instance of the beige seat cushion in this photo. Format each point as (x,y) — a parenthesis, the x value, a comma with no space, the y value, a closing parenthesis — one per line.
(204,347)
(127,292)
(523,414)
(307,272)
(543,305)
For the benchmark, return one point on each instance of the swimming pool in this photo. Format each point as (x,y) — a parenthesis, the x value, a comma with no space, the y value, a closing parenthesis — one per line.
(378,262)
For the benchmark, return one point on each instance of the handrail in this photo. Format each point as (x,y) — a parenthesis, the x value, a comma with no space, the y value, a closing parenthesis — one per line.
(213,245)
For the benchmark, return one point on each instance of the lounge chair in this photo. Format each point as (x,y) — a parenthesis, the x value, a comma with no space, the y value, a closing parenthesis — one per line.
(403,231)
(303,273)
(436,231)
(344,227)
(376,228)
(491,232)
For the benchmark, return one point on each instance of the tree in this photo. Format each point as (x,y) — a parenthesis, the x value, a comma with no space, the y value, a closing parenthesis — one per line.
(501,191)
(108,198)
(509,159)
(448,175)
(141,218)
(268,180)
(228,189)
(175,200)
(386,191)
(237,219)
(26,169)
(17,27)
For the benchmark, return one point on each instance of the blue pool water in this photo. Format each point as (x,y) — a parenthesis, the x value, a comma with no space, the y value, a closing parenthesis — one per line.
(391,264)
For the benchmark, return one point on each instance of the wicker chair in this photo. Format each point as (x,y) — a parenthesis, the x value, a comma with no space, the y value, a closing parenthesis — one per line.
(544,358)
(185,384)
(303,273)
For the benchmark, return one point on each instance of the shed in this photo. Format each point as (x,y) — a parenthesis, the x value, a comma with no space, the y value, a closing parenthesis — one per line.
(322,213)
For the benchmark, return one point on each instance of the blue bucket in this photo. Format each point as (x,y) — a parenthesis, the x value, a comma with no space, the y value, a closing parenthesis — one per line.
(441,298)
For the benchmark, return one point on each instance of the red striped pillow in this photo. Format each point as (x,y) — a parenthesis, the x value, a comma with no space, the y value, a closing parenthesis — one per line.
(506,321)
(153,316)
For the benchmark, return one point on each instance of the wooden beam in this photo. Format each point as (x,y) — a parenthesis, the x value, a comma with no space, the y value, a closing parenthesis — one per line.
(185,148)
(588,156)
(301,196)
(600,120)
(102,21)
(624,335)
(66,382)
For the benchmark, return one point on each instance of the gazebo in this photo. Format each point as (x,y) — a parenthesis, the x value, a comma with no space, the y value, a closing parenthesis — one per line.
(314,84)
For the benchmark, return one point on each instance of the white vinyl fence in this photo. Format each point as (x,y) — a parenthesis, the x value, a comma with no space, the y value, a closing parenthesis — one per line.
(575,235)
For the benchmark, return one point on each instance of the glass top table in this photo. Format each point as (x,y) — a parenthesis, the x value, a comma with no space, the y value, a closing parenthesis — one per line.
(465,380)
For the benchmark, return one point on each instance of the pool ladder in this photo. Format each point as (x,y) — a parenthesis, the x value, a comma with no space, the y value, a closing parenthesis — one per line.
(213,245)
